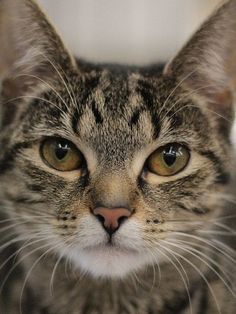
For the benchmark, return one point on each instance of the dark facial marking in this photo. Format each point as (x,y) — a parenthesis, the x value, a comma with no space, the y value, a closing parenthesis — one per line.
(7,162)
(25,200)
(88,87)
(198,211)
(135,117)
(8,114)
(148,95)
(96,113)
(75,119)
(35,187)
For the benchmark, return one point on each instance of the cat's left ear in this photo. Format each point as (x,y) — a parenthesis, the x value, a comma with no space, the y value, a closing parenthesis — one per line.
(30,50)
(206,66)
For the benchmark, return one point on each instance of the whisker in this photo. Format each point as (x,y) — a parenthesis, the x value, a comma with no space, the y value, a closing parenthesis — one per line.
(179,272)
(207,109)
(201,274)
(135,276)
(190,105)
(57,264)
(61,77)
(11,226)
(34,97)
(20,261)
(212,261)
(194,244)
(74,102)
(221,233)
(191,252)
(175,88)
(24,245)
(200,221)
(3,221)
(66,266)
(225,246)
(31,269)
(208,242)
(154,270)
(48,85)
(12,241)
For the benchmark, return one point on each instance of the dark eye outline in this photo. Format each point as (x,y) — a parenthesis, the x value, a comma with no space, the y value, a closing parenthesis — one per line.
(55,138)
(147,169)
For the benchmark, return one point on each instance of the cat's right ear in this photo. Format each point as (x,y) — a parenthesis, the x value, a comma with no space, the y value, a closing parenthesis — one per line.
(31,52)
(206,66)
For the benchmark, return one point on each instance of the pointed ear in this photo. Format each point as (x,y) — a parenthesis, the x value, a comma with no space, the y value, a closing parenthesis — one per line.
(30,49)
(207,64)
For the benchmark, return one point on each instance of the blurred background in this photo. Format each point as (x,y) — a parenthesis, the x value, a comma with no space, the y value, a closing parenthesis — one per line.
(127,31)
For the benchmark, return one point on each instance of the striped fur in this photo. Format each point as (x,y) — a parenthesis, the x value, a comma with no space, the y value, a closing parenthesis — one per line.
(175,254)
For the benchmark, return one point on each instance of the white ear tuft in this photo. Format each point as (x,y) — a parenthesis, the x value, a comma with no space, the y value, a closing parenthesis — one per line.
(30,47)
(207,63)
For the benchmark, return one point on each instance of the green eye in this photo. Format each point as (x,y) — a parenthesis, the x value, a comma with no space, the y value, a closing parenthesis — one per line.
(61,154)
(168,160)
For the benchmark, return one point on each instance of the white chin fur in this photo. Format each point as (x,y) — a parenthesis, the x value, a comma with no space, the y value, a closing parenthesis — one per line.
(108,262)
(94,256)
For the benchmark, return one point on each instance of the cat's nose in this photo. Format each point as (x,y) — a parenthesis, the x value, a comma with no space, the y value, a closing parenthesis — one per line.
(111,218)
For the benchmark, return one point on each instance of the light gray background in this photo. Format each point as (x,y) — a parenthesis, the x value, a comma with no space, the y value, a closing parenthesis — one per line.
(127,31)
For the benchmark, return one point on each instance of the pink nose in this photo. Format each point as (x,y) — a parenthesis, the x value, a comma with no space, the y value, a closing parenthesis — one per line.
(111,218)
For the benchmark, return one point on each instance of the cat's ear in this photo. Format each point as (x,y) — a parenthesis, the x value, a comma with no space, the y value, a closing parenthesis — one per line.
(30,50)
(207,63)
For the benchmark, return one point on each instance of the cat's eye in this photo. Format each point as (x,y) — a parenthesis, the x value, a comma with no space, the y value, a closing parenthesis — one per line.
(61,154)
(168,160)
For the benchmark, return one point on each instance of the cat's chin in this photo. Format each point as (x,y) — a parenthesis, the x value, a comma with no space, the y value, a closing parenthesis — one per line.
(109,261)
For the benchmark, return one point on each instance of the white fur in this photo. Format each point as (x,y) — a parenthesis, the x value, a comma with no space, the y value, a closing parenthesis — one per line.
(95,256)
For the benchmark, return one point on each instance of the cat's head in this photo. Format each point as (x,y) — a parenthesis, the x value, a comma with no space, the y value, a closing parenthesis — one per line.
(104,166)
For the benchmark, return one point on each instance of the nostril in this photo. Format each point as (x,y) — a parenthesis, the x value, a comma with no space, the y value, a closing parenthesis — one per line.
(100,218)
(110,229)
(121,220)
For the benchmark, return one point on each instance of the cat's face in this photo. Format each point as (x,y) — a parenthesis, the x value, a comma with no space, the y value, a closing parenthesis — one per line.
(106,164)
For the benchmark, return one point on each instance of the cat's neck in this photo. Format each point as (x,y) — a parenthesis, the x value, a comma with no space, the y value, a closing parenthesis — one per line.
(60,286)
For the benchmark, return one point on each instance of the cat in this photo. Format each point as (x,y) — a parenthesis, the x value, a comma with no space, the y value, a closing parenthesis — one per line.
(116,183)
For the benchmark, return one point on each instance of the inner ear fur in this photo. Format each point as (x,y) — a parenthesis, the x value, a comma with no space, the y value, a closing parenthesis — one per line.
(207,63)
(31,50)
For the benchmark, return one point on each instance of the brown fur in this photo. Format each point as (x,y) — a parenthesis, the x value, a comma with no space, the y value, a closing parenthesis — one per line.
(55,256)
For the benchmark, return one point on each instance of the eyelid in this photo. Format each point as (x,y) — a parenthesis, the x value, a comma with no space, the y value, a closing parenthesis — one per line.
(157,164)
(89,154)
(72,161)
(194,164)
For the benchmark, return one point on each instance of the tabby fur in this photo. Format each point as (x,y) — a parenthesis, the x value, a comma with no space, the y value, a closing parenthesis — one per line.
(174,254)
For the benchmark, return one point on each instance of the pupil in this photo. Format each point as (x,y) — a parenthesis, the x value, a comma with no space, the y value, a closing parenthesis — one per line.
(61,150)
(169,156)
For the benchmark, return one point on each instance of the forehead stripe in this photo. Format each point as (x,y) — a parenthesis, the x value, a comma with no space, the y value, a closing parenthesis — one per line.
(96,113)
(148,95)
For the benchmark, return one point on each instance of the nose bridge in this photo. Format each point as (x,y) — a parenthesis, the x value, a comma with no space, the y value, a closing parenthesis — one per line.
(112,190)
